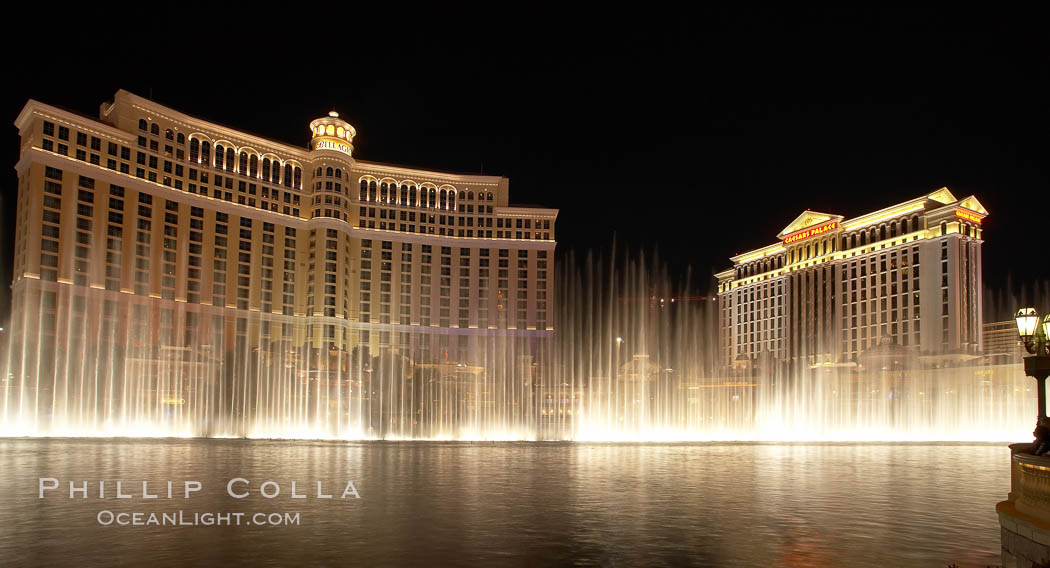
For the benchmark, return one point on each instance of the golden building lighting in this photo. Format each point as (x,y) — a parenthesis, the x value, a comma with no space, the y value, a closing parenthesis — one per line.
(832,287)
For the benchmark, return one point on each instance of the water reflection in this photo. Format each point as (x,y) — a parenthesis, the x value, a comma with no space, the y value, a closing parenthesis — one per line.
(519,503)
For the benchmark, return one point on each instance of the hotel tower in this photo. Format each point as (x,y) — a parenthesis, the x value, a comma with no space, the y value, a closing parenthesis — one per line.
(831,288)
(149,237)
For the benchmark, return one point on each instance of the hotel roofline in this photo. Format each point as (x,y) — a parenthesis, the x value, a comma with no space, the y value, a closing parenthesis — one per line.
(218,131)
(942,195)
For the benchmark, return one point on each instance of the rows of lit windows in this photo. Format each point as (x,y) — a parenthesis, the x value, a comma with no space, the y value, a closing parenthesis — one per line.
(153,166)
(408,199)
(759,323)
(244,192)
(51,224)
(880,298)
(152,269)
(87,148)
(244,162)
(143,224)
(157,165)
(428,196)
(814,248)
(470,279)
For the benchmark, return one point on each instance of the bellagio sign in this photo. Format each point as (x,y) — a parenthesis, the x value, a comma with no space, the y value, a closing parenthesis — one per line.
(333,145)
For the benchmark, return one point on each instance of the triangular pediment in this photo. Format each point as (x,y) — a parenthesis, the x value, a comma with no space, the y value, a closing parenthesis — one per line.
(808,219)
(972,204)
(942,195)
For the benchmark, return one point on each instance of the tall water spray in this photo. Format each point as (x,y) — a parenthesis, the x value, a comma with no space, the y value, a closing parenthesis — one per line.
(635,356)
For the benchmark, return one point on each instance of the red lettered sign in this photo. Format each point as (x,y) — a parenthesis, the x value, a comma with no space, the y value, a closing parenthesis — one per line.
(811,232)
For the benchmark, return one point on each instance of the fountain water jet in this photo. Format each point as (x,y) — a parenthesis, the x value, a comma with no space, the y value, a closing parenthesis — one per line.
(633,359)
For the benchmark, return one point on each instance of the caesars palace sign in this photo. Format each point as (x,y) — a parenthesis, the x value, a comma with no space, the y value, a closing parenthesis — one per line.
(811,232)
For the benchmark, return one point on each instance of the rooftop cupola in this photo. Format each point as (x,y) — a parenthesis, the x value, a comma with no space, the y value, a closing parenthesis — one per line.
(332,133)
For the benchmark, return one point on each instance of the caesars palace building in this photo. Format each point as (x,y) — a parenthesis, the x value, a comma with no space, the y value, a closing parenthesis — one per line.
(151,225)
(831,288)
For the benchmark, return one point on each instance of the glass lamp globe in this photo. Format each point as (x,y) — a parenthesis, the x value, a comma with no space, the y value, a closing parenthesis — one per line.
(1027,319)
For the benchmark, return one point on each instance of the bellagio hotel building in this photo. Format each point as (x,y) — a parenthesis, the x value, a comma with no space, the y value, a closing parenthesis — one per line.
(831,288)
(203,226)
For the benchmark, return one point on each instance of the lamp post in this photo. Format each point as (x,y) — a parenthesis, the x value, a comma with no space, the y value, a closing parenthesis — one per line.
(1036,338)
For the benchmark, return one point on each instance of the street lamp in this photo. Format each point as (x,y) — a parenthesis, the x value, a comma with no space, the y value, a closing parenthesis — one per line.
(1027,322)
(1034,337)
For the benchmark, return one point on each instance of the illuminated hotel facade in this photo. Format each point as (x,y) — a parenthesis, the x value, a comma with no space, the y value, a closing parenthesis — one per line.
(831,288)
(148,228)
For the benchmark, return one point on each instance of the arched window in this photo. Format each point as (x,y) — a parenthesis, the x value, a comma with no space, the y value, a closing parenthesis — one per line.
(412,195)
(489,196)
(297,175)
(372,191)
(229,159)
(462,194)
(863,238)
(195,149)
(253,166)
(288,175)
(275,172)
(444,198)
(338,173)
(915,223)
(451,200)
(142,124)
(242,165)
(318,173)
(180,138)
(364,190)
(266,169)
(329,172)
(219,154)
(382,192)
(433,197)
(882,233)
(154,129)
(853,240)
(205,152)
(169,134)
(470,195)
(404,194)
(904,227)
(893,229)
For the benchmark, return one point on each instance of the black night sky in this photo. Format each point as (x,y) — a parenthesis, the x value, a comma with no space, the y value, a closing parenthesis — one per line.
(697,139)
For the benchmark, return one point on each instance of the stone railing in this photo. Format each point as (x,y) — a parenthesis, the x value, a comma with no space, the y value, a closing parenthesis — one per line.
(1025,515)
(1030,482)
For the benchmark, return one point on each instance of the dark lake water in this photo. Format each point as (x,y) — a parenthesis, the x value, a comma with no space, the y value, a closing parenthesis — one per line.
(507,504)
